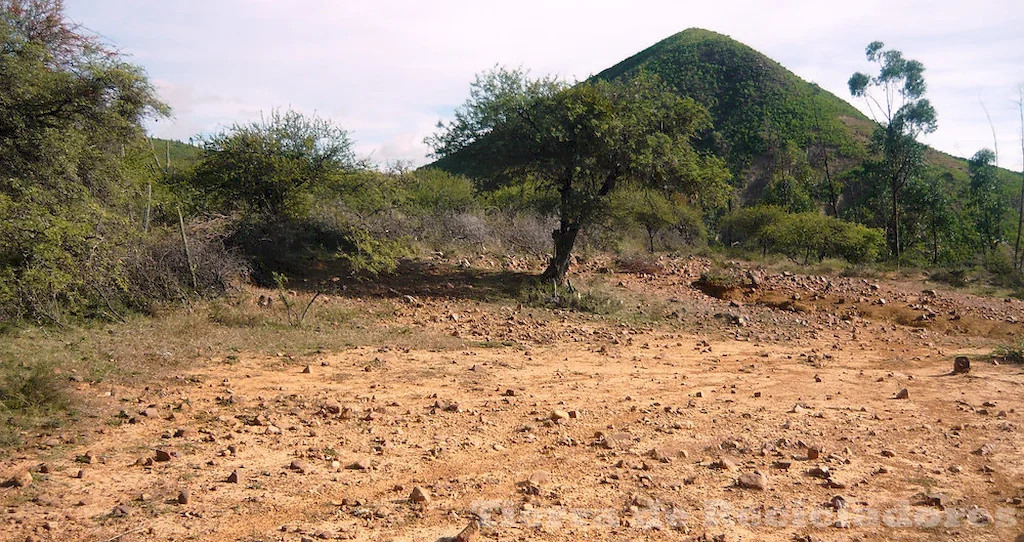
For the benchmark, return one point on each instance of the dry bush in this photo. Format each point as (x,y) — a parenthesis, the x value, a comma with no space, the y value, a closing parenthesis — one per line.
(638,263)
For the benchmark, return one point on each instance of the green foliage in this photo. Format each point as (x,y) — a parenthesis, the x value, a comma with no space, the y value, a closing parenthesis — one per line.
(802,235)
(438,192)
(744,91)
(582,140)
(273,168)
(992,205)
(896,98)
(71,186)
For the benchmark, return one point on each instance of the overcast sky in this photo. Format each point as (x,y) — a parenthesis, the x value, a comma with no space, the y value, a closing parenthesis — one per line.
(388,70)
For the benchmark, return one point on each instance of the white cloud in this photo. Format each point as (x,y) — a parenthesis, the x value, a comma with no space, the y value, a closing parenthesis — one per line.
(385,70)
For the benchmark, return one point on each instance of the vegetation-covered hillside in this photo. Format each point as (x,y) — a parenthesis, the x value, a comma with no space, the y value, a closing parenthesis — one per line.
(754,101)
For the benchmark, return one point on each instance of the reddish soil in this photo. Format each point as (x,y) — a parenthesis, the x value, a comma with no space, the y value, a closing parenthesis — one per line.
(551,425)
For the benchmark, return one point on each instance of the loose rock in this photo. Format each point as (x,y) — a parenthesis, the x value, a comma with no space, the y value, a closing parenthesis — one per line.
(419,495)
(753,480)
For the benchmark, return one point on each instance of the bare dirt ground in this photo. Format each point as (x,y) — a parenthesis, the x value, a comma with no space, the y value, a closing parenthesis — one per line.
(773,413)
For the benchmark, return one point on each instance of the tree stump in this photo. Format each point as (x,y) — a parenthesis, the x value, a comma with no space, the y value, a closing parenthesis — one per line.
(961,365)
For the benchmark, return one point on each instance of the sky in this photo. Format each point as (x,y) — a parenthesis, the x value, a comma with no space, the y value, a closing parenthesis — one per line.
(388,70)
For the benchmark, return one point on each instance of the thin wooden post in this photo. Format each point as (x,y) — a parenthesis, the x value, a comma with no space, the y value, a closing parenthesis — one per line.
(188,253)
(149,205)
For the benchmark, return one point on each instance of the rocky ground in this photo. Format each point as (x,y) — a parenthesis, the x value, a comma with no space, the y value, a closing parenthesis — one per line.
(785,407)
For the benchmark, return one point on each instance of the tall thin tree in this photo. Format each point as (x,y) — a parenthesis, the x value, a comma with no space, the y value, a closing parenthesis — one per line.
(896,100)
(1018,258)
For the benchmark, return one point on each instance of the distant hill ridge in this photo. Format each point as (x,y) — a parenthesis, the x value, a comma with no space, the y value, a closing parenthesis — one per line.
(752,98)
(756,104)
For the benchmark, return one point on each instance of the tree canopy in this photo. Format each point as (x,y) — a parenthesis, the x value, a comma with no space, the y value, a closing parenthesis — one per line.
(584,140)
(274,166)
(71,110)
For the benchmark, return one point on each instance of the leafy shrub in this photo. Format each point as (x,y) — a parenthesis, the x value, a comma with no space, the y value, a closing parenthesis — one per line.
(806,235)
(435,192)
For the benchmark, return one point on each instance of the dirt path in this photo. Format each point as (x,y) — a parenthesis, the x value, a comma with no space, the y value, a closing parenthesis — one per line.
(586,429)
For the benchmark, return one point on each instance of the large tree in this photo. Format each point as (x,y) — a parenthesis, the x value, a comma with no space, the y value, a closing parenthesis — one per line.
(990,203)
(70,110)
(584,140)
(896,100)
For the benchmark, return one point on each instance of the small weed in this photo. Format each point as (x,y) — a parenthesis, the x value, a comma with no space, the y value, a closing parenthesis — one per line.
(1010,353)
(552,296)
(30,396)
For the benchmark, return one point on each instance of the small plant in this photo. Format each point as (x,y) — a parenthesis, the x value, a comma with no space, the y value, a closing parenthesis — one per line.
(295,318)
(953,277)
(553,296)
(29,395)
(638,264)
(1010,353)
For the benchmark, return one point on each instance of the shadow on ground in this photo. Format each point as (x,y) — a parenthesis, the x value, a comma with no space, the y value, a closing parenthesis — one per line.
(420,279)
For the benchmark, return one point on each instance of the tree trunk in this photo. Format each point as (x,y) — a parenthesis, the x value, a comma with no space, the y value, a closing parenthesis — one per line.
(564,238)
(833,197)
(896,229)
(1018,261)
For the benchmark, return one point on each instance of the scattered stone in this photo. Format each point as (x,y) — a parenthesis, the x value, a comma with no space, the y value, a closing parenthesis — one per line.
(299,466)
(360,464)
(724,463)
(813,452)
(164,455)
(419,495)
(539,479)
(838,503)
(903,394)
(23,478)
(559,416)
(820,472)
(184,432)
(234,477)
(961,365)
(888,453)
(783,465)
(937,500)
(469,533)
(150,413)
(273,430)
(510,392)
(184,496)
(307,369)
(121,511)
(986,449)
(753,480)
